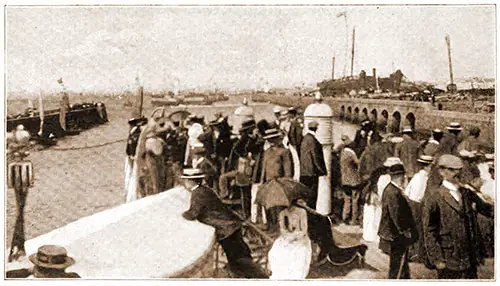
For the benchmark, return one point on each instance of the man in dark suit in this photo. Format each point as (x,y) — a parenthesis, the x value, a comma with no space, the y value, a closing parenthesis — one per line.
(397,229)
(452,239)
(312,162)
(408,152)
(295,132)
(208,209)
(247,143)
(451,140)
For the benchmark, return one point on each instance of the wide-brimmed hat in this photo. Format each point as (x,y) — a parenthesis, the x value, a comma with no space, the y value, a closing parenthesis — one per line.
(397,169)
(450,162)
(425,159)
(52,257)
(391,161)
(454,126)
(249,124)
(271,133)
(192,173)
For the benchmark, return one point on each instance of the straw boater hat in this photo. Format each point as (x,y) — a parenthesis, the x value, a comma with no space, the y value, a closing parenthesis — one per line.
(450,162)
(454,126)
(425,159)
(272,133)
(277,109)
(52,257)
(192,174)
(407,129)
(437,131)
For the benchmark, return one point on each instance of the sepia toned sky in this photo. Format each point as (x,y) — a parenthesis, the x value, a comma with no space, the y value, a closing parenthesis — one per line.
(104,48)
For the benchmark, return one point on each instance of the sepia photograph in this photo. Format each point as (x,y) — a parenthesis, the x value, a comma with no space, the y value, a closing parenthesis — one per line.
(270,142)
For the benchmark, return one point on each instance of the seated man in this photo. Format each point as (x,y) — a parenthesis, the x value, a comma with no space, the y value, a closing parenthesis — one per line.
(207,208)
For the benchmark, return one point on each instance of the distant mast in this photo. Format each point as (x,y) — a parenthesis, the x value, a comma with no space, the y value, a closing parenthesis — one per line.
(352,58)
(451,87)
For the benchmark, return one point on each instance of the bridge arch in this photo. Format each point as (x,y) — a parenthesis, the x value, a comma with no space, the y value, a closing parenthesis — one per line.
(373,116)
(410,120)
(348,116)
(342,112)
(396,122)
(355,118)
(383,120)
(364,114)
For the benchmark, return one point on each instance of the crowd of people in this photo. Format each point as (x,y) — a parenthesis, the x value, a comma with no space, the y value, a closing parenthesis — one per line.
(421,201)
(425,201)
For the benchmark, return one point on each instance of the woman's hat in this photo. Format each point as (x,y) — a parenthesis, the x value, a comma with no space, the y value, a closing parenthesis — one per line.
(391,161)
(454,126)
(52,257)
(271,133)
(249,124)
(397,169)
(192,173)
(425,159)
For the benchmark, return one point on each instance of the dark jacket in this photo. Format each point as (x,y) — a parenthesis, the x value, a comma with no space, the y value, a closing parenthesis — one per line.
(277,163)
(295,134)
(408,152)
(246,144)
(133,139)
(449,143)
(396,222)
(207,208)
(451,232)
(312,162)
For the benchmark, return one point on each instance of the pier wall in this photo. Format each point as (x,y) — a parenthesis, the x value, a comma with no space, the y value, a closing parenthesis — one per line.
(392,115)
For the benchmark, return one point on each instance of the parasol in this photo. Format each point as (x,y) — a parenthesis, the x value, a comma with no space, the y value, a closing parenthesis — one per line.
(281,192)
(179,115)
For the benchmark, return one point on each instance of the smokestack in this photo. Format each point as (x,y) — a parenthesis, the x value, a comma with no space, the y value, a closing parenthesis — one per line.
(333,68)
(375,78)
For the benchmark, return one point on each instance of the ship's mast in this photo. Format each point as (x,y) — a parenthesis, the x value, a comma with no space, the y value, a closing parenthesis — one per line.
(448,44)
(352,58)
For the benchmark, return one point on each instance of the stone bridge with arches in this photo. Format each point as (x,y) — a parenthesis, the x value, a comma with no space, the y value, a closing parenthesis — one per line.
(392,115)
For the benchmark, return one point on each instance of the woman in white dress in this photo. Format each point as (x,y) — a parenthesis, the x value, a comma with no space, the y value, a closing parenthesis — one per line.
(290,255)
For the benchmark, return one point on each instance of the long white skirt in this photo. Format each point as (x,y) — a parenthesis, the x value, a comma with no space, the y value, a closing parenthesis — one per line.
(130,180)
(255,209)
(371,221)
(296,163)
(290,260)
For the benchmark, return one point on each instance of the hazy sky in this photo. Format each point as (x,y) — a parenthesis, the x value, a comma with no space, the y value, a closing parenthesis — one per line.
(104,48)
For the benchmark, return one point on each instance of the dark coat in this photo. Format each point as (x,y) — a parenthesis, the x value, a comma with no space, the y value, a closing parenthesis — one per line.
(133,139)
(372,159)
(407,151)
(246,144)
(451,231)
(207,208)
(312,162)
(277,163)
(449,144)
(295,134)
(396,222)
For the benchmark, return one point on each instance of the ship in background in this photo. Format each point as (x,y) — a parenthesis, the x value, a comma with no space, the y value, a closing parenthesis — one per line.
(476,93)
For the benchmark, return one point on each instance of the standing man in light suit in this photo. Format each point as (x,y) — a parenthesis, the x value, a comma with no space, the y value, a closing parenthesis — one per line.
(312,162)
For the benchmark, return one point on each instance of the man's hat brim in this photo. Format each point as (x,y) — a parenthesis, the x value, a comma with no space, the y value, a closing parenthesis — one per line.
(271,136)
(69,261)
(201,176)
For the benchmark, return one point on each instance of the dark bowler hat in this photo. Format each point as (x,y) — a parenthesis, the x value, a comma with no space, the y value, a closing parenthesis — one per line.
(425,159)
(137,121)
(249,124)
(292,110)
(271,133)
(52,257)
(397,169)
(192,173)
(217,121)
